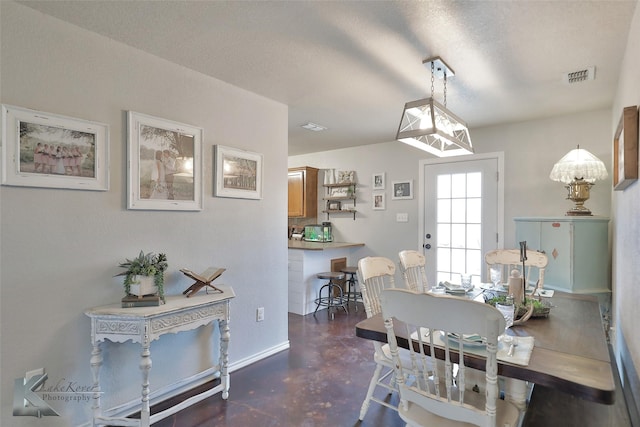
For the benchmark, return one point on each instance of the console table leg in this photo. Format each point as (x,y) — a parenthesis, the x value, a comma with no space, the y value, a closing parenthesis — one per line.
(145,367)
(96,363)
(224,357)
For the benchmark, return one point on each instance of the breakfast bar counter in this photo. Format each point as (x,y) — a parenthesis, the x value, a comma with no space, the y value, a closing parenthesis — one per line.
(320,246)
(306,260)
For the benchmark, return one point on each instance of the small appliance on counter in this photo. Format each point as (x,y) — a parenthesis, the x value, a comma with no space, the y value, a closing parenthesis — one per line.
(318,232)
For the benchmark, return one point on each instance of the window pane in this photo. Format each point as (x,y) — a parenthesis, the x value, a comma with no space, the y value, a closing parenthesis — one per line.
(458,211)
(458,235)
(475,263)
(444,259)
(474,211)
(474,236)
(444,186)
(444,236)
(458,261)
(458,185)
(444,211)
(474,184)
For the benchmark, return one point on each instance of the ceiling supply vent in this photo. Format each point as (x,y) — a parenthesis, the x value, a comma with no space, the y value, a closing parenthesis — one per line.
(314,127)
(588,73)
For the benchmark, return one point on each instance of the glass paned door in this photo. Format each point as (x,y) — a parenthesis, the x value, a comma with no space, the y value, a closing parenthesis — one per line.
(459,214)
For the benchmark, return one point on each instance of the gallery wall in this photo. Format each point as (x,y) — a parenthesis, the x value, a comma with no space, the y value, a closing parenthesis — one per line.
(60,248)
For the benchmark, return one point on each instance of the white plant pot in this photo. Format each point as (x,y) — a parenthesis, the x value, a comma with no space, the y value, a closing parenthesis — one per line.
(145,286)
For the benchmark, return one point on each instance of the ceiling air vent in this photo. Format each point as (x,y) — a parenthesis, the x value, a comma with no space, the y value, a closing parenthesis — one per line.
(588,73)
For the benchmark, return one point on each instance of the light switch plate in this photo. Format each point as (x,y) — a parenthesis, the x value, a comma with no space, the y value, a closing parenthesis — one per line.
(402,217)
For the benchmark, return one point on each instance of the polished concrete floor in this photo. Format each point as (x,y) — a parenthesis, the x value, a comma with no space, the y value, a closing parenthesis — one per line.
(321,381)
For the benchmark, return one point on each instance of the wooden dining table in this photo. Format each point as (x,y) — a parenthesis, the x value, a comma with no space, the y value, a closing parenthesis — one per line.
(570,353)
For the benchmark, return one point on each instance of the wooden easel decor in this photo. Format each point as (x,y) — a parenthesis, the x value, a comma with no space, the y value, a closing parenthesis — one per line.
(202,280)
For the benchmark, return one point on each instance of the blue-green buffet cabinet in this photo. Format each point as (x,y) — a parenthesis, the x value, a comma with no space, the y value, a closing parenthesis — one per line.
(577,248)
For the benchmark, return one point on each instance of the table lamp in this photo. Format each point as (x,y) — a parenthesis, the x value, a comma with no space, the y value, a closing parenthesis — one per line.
(579,169)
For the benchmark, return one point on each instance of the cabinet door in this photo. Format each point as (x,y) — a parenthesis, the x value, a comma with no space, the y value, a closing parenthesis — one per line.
(296,194)
(557,242)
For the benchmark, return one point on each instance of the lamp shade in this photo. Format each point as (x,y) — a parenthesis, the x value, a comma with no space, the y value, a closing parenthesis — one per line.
(578,164)
(428,125)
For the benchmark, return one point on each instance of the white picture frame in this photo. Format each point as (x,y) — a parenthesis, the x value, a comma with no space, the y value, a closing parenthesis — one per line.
(402,190)
(378,201)
(377,181)
(238,173)
(76,155)
(165,164)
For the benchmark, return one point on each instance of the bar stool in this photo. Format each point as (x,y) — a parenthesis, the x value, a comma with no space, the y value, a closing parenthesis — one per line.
(351,286)
(332,288)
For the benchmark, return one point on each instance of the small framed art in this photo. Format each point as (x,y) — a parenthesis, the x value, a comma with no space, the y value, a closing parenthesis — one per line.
(165,164)
(52,151)
(625,150)
(378,181)
(238,173)
(402,190)
(379,202)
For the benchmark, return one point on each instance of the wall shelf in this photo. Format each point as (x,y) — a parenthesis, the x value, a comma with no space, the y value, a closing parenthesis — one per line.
(336,194)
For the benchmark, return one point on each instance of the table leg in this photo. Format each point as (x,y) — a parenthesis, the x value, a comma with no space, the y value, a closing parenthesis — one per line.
(96,363)
(515,391)
(224,357)
(145,367)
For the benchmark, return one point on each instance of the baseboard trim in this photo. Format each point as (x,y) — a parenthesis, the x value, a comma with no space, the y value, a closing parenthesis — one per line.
(172,390)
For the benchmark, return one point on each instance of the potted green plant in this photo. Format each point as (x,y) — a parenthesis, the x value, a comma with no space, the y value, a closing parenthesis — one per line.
(144,274)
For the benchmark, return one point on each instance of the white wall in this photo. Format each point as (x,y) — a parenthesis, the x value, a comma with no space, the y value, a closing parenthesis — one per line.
(530,151)
(60,248)
(626,230)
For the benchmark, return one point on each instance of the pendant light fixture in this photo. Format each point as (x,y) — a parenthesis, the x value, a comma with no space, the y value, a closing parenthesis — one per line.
(430,126)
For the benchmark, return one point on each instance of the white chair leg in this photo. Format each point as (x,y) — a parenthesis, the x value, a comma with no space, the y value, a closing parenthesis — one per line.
(372,386)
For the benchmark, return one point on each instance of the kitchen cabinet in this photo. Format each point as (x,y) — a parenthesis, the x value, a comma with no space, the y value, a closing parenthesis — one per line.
(303,192)
(577,249)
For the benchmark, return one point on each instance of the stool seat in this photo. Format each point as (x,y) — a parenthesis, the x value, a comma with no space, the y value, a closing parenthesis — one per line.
(334,295)
(331,275)
(350,270)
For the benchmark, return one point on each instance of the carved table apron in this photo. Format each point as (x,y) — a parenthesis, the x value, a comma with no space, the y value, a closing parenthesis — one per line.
(145,324)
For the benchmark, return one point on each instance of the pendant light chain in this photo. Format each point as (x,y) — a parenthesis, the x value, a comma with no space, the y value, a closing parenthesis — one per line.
(432,90)
(445,88)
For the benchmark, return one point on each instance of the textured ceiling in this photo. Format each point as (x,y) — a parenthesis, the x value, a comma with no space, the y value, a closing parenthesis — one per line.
(351,66)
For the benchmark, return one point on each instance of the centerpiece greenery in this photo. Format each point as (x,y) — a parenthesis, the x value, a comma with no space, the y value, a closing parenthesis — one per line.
(150,265)
(530,308)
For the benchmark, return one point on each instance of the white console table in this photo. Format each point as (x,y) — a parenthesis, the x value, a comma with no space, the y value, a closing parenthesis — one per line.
(145,324)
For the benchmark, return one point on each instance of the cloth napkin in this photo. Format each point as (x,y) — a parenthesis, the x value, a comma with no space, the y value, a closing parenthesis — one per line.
(521,352)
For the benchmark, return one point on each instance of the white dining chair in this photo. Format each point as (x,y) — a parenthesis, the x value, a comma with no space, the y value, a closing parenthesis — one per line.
(436,401)
(509,259)
(376,274)
(412,264)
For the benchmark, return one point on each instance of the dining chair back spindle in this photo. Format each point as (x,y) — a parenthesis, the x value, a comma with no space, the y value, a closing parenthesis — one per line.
(412,264)
(432,400)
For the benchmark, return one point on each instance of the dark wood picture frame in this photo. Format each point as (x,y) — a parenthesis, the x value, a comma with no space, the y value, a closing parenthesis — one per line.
(625,149)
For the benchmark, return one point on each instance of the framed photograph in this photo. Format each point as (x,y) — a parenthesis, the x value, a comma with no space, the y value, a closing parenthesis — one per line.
(379,202)
(238,173)
(402,190)
(625,150)
(334,205)
(378,181)
(52,151)
(165,164)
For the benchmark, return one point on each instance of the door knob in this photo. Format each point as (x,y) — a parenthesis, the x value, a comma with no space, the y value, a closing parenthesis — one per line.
(427,246)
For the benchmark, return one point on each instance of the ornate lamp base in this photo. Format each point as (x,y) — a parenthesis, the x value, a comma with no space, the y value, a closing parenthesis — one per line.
(578,194)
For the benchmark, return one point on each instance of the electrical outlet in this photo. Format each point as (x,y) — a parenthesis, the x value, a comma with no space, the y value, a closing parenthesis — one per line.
(260,314)
(402,217)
